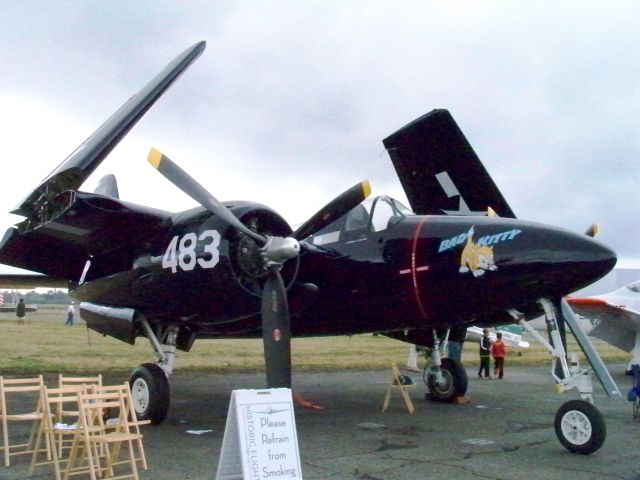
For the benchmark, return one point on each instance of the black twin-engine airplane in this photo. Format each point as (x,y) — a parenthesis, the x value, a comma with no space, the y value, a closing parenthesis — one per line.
(237,269)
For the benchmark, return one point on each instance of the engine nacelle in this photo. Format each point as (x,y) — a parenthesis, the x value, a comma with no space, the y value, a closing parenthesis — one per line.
(244,254)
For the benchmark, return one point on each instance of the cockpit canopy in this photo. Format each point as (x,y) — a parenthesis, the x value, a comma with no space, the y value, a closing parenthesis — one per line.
(372,215)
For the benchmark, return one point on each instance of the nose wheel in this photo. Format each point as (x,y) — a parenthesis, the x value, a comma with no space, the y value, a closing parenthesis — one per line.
(580,427)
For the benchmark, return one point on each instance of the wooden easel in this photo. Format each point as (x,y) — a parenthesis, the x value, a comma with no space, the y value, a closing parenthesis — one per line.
(395,383)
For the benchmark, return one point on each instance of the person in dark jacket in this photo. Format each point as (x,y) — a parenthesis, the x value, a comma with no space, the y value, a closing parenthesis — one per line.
(485,354)
(21,310)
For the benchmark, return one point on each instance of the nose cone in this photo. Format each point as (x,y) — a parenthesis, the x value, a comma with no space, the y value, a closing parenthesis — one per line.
(580,259)
(496,263)
(557,261)
(534,260)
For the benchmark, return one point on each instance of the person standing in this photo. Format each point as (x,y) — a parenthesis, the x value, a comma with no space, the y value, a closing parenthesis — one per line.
(21,311)
(412,360)
(456,340)
(485,354)
(499,352)
(70,312)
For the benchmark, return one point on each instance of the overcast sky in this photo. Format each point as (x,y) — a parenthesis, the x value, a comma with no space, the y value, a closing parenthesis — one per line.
(291,99)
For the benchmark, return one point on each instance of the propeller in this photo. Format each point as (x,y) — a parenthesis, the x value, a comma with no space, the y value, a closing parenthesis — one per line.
(334,209)
(593,230)
(188,185)
(276,329)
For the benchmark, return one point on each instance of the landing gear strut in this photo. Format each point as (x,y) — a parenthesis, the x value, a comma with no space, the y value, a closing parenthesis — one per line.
(446,379)
(149,382)
(579,425)
(453,384)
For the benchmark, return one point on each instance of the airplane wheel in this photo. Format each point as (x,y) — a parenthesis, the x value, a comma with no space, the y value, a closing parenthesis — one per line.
(580,427)
(150,392)
(455,382)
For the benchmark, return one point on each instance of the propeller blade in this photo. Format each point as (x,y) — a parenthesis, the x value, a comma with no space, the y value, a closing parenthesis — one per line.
(191,187)
(334,210)
(593,230)
(276,331)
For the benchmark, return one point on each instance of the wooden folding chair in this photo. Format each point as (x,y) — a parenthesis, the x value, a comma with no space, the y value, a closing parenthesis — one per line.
(53,400)
(69,381)
(399,382)
(20,401)
(130,413)
(65,413)
(99,443)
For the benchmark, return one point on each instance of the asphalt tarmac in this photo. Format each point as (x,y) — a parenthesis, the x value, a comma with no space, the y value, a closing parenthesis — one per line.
(505,432)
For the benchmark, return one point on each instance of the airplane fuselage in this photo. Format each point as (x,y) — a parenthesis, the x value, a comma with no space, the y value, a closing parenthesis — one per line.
(414,272)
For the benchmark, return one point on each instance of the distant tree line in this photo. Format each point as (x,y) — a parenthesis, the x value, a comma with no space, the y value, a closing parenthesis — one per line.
(34,297)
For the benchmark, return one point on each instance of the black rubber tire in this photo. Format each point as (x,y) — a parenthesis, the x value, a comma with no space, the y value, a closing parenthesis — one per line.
(580,427)
(456,382)
(150,392)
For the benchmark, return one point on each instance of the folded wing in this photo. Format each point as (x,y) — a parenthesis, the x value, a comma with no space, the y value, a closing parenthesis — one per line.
(440,172)
(65,228)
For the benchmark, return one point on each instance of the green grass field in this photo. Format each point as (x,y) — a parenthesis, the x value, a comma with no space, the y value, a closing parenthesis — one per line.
(43,344)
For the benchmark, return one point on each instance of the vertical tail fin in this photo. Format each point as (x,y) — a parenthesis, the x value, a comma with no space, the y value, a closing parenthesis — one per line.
(108,186)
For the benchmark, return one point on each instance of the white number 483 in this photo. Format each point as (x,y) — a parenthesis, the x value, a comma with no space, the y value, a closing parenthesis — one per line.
(181,252)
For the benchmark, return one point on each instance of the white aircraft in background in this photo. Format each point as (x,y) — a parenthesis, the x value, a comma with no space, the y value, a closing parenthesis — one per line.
(613,317)
(474,334)
(509,337)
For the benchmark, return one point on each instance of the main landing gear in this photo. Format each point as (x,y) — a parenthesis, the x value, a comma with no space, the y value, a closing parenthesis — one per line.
(445,378)
(149,382)
(579,425)
(150,392)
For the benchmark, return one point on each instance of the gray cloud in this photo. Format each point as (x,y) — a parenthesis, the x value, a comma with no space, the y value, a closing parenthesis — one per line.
(291,93)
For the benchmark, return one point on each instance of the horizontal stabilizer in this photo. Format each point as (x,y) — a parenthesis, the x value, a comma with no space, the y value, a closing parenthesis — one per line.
(440,172)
